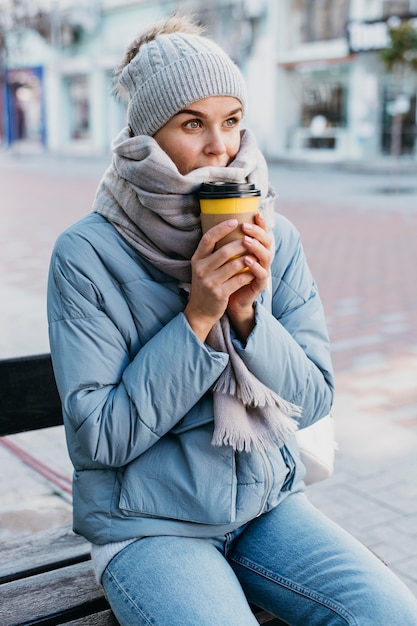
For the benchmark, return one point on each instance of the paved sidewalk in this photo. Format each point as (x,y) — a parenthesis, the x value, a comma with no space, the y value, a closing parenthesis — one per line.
(361,247)
(373,493)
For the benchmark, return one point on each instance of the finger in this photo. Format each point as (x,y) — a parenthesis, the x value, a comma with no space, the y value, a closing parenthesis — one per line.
(239,280)
(221,258)
(257,249)
(259,233)
(225,264)
(259,271)
(215,234)
(260,220)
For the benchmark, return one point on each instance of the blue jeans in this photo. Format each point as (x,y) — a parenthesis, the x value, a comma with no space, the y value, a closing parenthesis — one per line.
(293,562)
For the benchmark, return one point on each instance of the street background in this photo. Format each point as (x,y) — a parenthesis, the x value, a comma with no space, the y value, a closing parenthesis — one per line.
(360,239)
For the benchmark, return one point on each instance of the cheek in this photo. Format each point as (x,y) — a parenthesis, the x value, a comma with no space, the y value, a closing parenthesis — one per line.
(185,162)
(234,146)
(180,154)
(184,157)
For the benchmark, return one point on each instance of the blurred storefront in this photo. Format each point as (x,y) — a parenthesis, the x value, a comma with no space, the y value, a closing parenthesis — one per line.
(338,95)
(24,105)
(317,87)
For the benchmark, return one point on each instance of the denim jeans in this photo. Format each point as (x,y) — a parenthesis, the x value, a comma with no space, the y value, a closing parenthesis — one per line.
(293,562)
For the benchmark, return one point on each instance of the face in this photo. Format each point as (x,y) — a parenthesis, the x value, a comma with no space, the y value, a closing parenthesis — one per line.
(204,133)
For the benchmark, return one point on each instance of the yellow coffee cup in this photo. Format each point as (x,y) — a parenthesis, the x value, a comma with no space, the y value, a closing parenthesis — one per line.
(221,201)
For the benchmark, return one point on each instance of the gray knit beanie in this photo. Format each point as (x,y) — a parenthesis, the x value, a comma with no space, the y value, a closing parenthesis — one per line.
(172,71)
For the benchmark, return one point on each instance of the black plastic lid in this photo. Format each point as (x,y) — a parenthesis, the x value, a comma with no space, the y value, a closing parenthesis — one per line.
(216,190)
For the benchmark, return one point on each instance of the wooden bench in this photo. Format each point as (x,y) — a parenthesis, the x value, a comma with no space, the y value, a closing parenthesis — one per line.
(47,578)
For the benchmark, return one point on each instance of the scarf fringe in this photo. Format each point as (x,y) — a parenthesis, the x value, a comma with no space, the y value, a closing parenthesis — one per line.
(247,412)
(252,393)
(263,439)
(265,397)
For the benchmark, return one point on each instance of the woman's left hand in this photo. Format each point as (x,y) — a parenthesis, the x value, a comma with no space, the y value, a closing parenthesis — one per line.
(258,242)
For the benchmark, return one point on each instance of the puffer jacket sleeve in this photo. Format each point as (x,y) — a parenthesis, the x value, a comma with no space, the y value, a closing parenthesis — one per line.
(291,330)
(116,405)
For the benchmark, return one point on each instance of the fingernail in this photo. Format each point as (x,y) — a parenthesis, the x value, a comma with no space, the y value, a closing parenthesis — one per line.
(248,225)
(232,222)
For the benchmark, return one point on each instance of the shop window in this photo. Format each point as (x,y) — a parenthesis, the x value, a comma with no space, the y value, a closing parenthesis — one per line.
(322,113)
(79,107)
(324,99)
(321,20)
(24,105)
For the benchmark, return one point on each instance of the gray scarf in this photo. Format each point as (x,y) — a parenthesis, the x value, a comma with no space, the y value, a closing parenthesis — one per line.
(156,210)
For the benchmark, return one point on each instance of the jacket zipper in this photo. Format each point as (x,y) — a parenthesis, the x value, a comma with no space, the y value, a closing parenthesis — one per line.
(269,481)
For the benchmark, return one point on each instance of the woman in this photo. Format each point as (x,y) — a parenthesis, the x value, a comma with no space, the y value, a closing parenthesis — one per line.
(183,378)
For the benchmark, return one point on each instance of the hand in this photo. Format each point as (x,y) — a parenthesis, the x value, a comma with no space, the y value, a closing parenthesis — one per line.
(258,244)
(216,275)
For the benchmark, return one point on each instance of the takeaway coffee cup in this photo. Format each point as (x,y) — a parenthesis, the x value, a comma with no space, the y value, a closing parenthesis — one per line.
(220,201)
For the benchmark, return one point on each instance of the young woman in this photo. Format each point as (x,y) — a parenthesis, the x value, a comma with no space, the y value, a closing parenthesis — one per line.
(183,378)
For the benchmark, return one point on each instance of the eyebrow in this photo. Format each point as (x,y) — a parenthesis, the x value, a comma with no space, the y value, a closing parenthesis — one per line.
(204,115)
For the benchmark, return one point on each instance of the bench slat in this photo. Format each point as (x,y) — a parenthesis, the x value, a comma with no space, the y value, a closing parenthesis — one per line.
(106,618)
(29,398)
(40,552)
(266,618)
(42,599)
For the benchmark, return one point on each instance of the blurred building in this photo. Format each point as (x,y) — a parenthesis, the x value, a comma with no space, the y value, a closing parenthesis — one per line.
(317,88)
(332,89)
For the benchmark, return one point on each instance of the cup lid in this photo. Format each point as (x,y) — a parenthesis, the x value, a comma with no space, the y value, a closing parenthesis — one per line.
(221,189)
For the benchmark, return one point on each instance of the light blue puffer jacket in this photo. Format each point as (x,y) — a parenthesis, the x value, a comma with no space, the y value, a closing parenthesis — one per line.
(135,386)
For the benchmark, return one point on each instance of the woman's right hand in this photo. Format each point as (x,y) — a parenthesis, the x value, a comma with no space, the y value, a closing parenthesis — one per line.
(215,276)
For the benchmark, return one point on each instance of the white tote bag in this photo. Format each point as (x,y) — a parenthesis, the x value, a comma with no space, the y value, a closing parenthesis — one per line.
(317,449)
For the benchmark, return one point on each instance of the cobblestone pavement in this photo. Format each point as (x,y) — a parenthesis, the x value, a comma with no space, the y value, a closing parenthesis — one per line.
(360,242)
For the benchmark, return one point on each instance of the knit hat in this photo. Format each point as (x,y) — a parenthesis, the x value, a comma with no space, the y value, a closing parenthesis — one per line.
(172,71)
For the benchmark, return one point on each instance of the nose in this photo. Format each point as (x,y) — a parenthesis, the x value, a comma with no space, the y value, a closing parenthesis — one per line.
(215,143)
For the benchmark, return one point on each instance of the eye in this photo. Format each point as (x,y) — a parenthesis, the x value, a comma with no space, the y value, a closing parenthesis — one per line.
(193,124)
(231,122)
